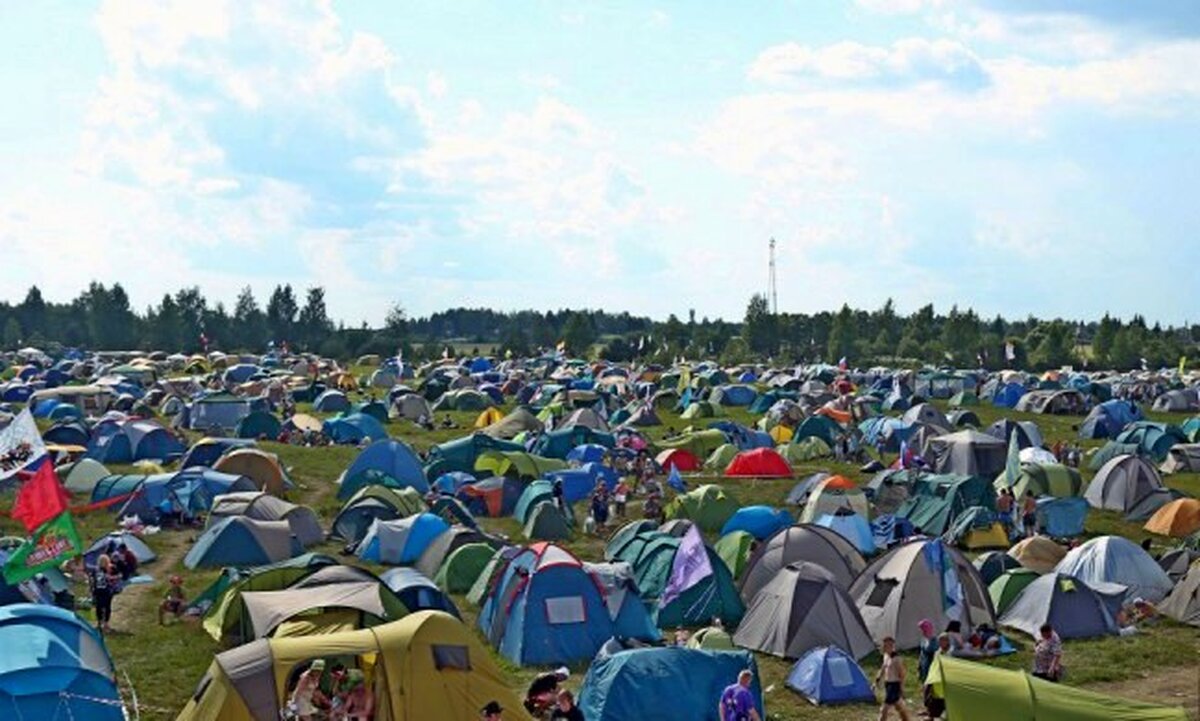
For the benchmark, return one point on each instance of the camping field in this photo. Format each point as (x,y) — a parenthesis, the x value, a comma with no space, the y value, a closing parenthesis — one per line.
(163,665)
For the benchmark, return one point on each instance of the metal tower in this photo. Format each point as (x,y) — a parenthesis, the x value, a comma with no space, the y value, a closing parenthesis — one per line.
(771,292)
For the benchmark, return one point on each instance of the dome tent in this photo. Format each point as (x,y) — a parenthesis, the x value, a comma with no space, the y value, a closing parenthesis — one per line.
(827,675)
(807,542)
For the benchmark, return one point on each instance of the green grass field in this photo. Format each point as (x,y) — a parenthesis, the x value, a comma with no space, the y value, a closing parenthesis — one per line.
(164,664)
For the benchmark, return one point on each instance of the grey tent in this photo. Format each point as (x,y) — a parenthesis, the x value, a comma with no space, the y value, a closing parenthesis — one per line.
(800,609)
(411,407)
(547,523)
(807,542)
(1122,483)
(1183,458)
(1074,608)
(967,452)
(1115,559)
(260,506)
(440,548)
(267,610)
(907,584)
(584,417)
(519,421)
(1183,603)
(1176,401)
(1176,562)
(928,414)
(643,417)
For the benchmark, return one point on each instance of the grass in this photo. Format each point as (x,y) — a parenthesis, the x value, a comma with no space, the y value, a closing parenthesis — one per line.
(166,663)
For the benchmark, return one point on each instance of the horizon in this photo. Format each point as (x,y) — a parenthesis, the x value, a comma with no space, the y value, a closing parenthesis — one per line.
(1013,158)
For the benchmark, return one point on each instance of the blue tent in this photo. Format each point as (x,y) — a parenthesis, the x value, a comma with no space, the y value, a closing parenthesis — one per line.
(746,439)
(681,683)
(734,395)
(125,442)
(557,444)
(578,483)
(331,401)
(852,527)
(44,407)
(259,424)
(389,457)
(759,521)
(1062,517)
(1109,418)
(1006,395)
(206,451)
(54,666)
(826,675)
(67,434)
(417,592)
(587,453)
(65,412)
(401,541)
(240,373)
(242,541)
(449,483)
(353,429)
(546,608)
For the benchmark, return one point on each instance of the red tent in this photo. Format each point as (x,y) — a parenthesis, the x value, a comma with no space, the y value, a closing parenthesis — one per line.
(683,460)
(758,463)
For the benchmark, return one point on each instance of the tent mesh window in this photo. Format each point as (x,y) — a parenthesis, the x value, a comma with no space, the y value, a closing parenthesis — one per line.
(445,657)
(566,609)
(883,589)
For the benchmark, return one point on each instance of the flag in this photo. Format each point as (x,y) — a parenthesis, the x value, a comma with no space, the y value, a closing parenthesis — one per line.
(941,564)
(690,567)
(685,379)
(1010,352)
(674,480)
(1182,364)
(842,365)
(20,445)
(1144,363)
(641,344)
(56,541)
(1012,465)
(41,498)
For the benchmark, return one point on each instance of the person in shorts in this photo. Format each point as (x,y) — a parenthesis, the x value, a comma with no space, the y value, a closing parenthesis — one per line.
(891,673)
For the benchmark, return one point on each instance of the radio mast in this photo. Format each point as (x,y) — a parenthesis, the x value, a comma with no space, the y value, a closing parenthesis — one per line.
(771,291)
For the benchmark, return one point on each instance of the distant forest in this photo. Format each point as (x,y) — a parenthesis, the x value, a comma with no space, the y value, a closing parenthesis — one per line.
(102,318)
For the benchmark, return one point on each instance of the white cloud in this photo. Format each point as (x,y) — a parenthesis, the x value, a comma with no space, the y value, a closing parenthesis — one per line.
(909,60)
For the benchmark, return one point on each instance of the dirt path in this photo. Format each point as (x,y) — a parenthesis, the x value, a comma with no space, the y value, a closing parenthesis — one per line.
(1170,686)
(135,606)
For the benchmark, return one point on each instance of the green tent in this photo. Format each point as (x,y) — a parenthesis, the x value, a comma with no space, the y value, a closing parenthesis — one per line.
(702,409)
(653,560)
(712,639)
(518,464)
(718,459)
(963,399)
(461,569)
(1051,479)
(701,444)
(936,500)
(978,692)
(547,523)
(707,506)
(626,535)
(822,427)
(809,449)
(1111,450)
(495,566)
(225,616)
(1008,585)
(734,549)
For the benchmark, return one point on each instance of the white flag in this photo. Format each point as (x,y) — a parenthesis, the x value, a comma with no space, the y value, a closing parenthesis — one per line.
(20,445)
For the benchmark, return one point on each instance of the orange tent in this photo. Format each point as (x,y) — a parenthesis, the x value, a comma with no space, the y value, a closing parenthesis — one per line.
(842,417)
(1178,518)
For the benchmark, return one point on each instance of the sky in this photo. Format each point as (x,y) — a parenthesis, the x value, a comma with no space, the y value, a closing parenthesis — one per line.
(1014,156)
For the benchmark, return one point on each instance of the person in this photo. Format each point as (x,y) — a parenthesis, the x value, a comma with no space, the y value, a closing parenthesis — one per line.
(1029,514)
(891,673)
(1004,507)
(600,509)
(621,497)
(491,712)
(557,491)
(103,580)
(129,562)
(1047,654)
(173,602)
(954,634)
(934,705)
(737,703)
(929,648)
(543,690)
(566,710)
(358,704)
(652,509)
(306,698)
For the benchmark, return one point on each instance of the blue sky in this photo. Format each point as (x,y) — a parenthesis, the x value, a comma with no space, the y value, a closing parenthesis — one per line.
(1018,157)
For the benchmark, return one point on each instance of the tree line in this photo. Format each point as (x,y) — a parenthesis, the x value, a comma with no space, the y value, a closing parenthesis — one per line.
(102,318)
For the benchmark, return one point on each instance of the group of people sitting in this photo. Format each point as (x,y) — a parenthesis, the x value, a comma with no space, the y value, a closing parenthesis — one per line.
(342,694)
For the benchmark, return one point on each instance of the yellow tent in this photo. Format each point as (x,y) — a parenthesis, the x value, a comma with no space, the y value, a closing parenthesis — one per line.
(488,417)
(259,466)
(781,434)
(427,665)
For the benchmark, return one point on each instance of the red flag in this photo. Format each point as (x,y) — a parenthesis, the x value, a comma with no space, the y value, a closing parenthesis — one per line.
(41,498)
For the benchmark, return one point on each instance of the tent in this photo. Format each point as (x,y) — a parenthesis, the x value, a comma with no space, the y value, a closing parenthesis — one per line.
(827,675)
(809,449)
(993,563)
(304,522)
(759,521)
(1154,440)
(1052,479)
(354,428)
(803,608)
(758,463)
(911,582)
(517,464)
(220,602)
(822,427)
(1183,603)
(817,545)
(1074,608)
(206,451)
(416,592)
(410,407)
(800,492)
(1113,559)
(734,549)
(1038,553)
(928,414)
(436,553)
(1178,519)
(935,501)
(142,552)
(333,598)
(1027,433)
(655,558)
(852,527)
(82,476)
(331,401)
(967,452)
(55,666)
(259,424)
(388,458)
(1109,418)
(631,684)
(976,528)
(259,466)
(980,692)
(1123,483)
(832,494)
(546,522)
(493,497)
(711,638)
(370,503)
(1062,517)
(462,567)
(1007,587)
(241,541)
(546,607)
(1183,458)
(681,459)
(426,665)
(707,506)
(400,541)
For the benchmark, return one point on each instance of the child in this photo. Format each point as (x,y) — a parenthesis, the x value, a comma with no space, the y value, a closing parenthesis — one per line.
(621,497)
(173,602)
(891,673)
